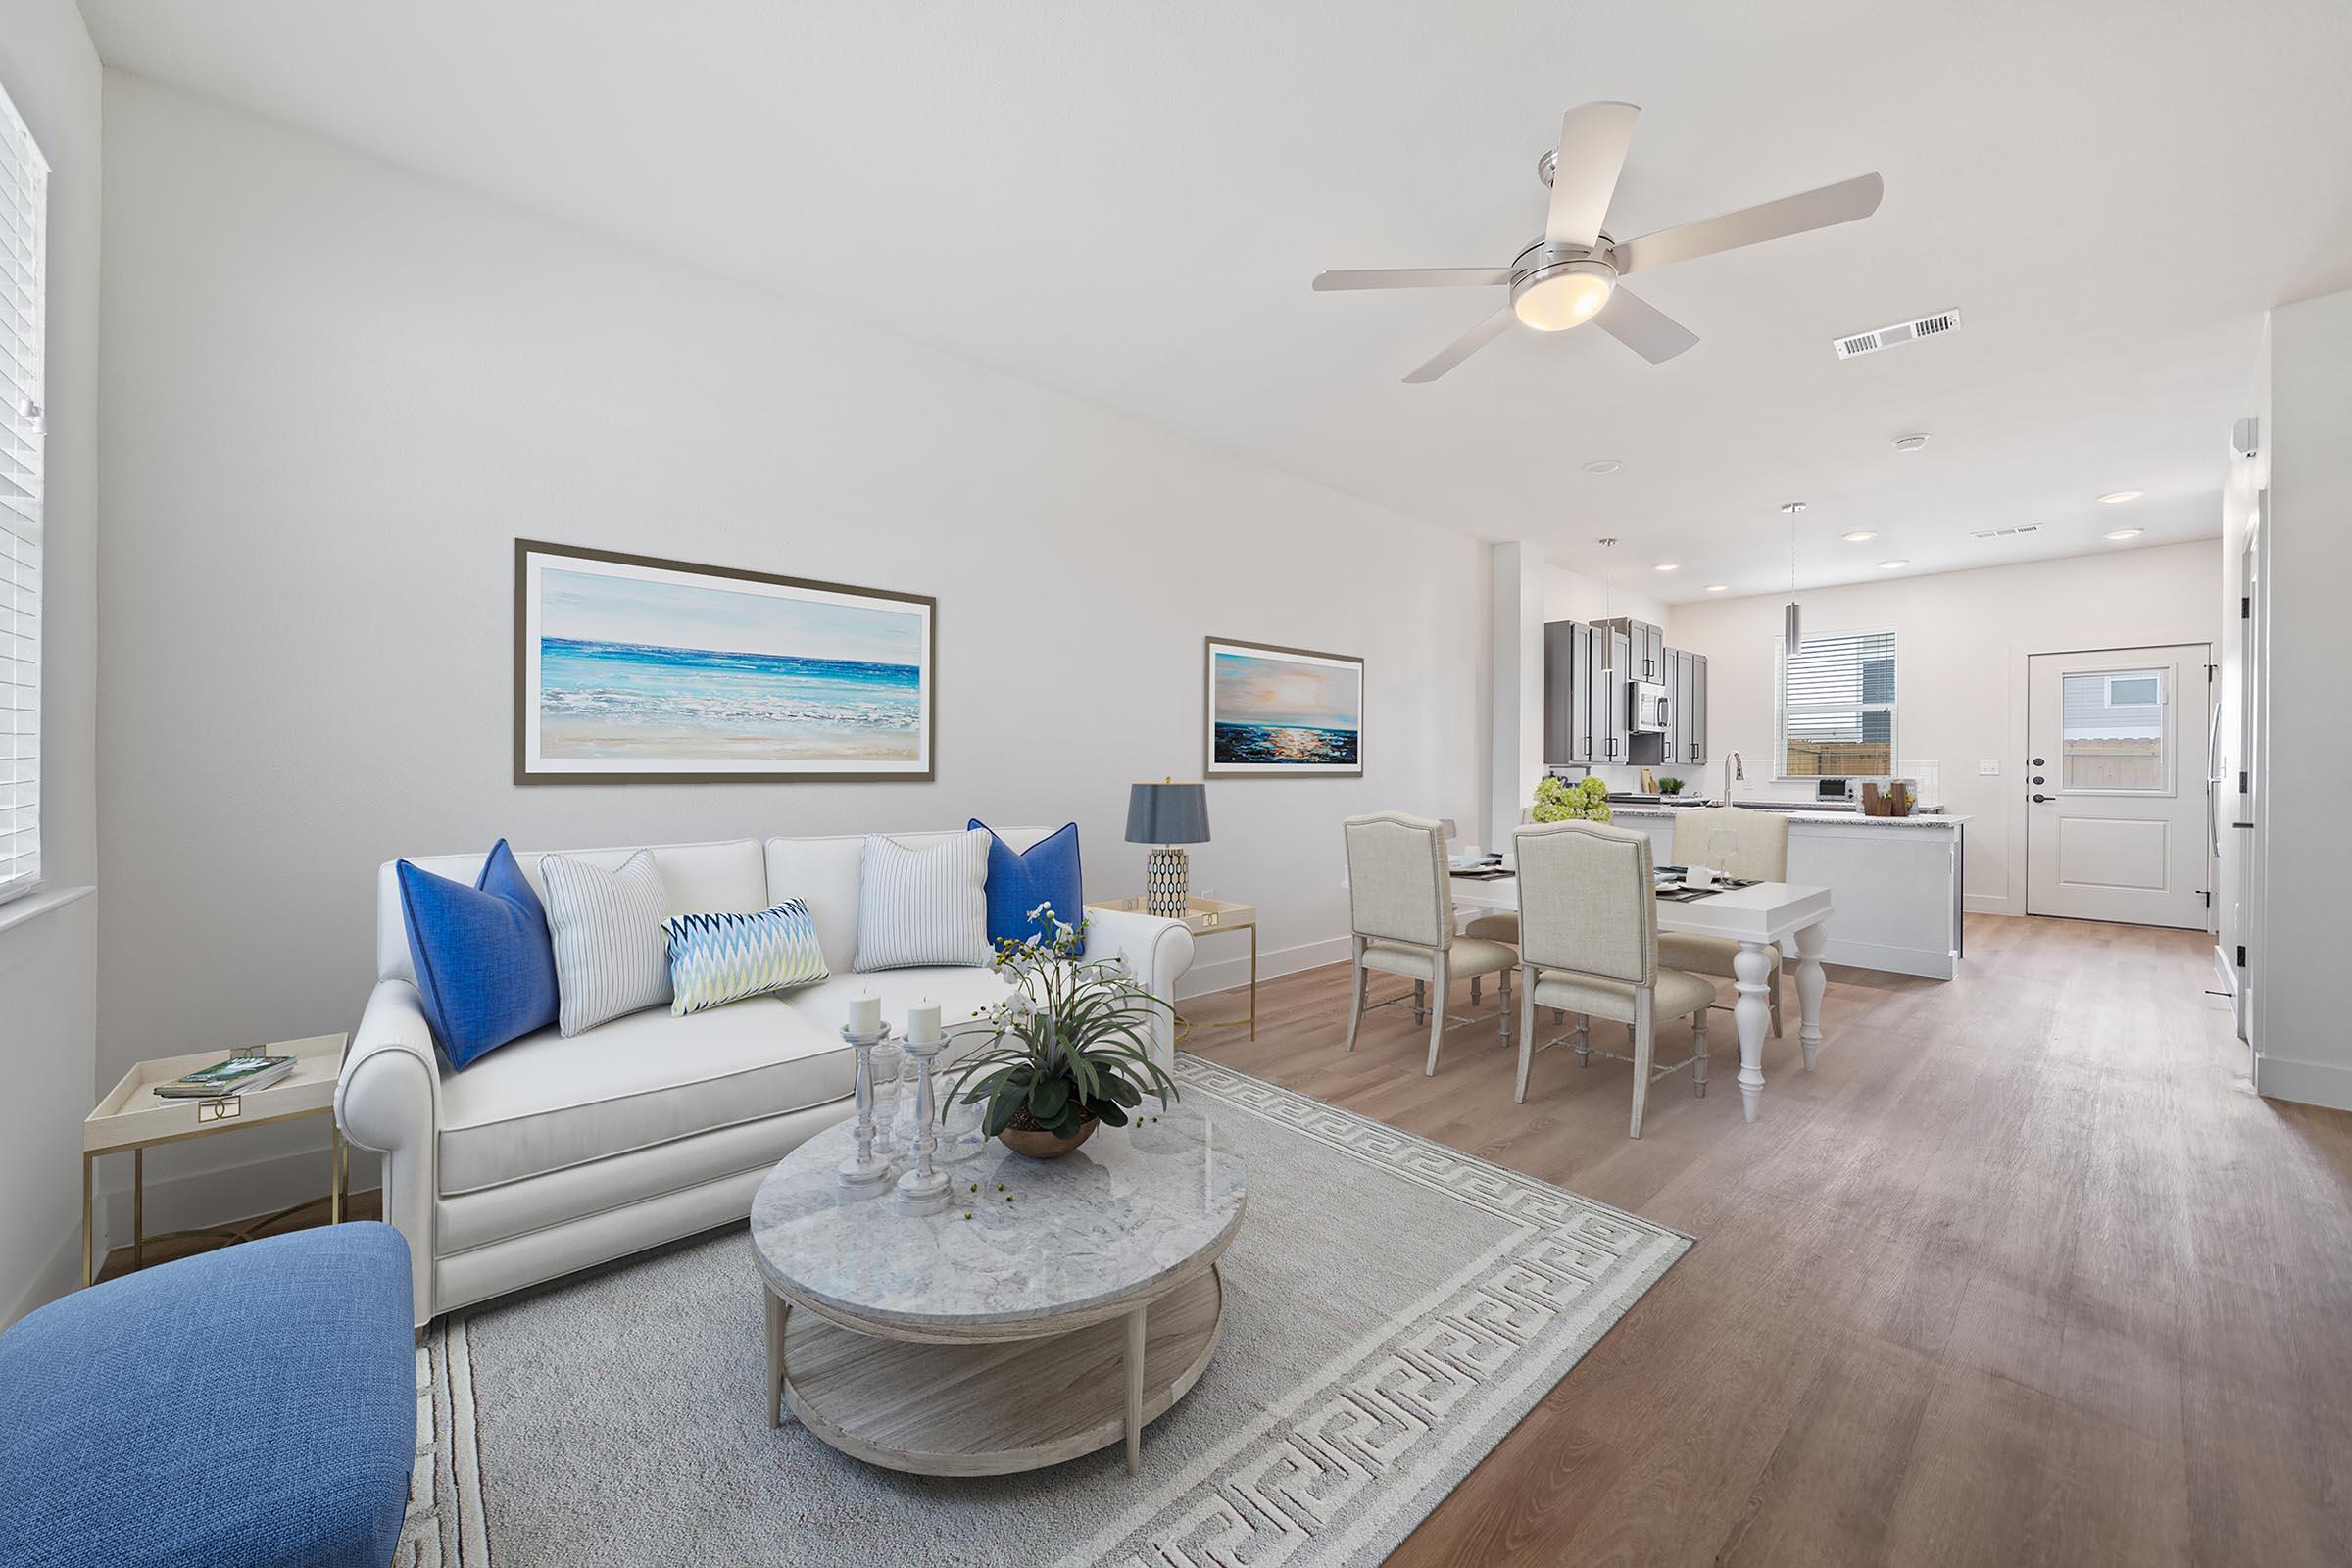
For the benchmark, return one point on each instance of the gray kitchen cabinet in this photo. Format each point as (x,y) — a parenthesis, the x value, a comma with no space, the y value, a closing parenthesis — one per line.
(1611,728)
(1646,648)
(1677,738)
(1697,708)
(1576,707)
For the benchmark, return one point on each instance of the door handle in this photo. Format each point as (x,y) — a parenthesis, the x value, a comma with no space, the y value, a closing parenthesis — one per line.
(2037,797)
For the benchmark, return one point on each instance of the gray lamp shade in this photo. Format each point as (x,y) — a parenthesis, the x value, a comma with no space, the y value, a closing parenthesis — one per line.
(1167,813)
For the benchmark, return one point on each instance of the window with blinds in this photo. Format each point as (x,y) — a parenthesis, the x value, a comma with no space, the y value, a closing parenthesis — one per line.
(24,212)
(1837,707)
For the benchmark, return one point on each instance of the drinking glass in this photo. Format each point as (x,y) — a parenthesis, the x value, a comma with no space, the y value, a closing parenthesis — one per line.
(1722,844)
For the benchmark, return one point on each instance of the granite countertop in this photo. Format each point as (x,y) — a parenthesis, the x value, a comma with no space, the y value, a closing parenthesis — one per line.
(1132,1205)
(1824,818)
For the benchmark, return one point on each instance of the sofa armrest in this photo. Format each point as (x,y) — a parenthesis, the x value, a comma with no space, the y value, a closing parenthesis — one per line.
(389,1099)
(1158,952)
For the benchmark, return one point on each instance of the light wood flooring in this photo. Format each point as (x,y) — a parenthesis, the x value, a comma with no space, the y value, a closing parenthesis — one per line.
(2023,1273)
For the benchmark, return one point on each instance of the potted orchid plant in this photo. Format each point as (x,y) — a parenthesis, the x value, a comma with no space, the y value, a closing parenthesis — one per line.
(1070,1045)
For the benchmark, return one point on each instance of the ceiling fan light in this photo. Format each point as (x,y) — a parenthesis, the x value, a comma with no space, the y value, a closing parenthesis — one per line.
(1564,296)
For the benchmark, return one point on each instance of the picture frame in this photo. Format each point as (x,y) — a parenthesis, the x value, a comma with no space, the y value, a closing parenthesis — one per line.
(1272,712)
(636,669)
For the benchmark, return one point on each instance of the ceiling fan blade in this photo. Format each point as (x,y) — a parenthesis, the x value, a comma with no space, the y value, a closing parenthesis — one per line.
(1413,277)
(1643,327)
(1594,138)
(1840,203)
(1461,348)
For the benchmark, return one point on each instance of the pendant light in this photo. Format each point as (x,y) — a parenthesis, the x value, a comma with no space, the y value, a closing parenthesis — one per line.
(1792,619)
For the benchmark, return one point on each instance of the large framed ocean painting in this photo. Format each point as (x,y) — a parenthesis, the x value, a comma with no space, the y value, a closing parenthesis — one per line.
(1283,710)
(629,669)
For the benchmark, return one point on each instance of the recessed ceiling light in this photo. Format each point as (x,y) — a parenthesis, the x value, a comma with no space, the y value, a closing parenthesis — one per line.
(1668,565)
(1719,587)
(1604,465)
(2127,533)
(1792,507)
(2116,498)
(1860,536)
(1892,565)
(1909,443)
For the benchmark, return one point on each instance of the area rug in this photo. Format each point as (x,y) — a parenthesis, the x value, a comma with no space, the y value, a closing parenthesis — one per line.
(1392,1307)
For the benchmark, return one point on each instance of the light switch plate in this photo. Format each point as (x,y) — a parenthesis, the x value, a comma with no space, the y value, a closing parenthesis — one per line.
(1989,767)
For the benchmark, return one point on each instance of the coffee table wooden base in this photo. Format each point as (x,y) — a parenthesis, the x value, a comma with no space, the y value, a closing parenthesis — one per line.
(992,1407)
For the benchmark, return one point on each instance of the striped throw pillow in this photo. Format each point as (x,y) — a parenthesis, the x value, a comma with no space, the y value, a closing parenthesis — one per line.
(716,959)
(612,955)
(922,906)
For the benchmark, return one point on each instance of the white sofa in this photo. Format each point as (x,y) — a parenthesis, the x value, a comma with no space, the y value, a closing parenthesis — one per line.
(549,1154)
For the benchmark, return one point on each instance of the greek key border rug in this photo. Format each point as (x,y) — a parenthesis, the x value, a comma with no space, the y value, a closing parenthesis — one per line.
(1392,1309)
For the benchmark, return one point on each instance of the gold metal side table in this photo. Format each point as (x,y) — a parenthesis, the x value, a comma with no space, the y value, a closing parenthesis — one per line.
(1205,917)
(133,1117)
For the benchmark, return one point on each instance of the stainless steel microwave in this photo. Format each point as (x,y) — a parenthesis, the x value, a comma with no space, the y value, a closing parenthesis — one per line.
(1646,707)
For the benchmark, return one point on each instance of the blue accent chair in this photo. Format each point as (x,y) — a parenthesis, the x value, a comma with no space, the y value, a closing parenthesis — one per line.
(254,1406)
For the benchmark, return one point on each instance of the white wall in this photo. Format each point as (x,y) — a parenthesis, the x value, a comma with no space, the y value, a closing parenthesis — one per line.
(1961,643)
(335,395)
(48,1028)
(2304,747)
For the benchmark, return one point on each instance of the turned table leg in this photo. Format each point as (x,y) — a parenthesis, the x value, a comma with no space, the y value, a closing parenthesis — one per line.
(1810,983)
(1752,1013)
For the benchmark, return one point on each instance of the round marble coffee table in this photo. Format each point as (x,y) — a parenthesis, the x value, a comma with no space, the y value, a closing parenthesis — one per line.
(1073,1306)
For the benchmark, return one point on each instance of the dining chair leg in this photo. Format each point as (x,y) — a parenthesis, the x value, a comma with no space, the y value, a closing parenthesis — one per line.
(1776,1002)
(1526,1032)
(1503,1007)
(1559,1016)
(1474,990)
(1644,1039)
(1584,1040)
(1699,1060)
(1436,1017)
(1421,1001)
(1356,981)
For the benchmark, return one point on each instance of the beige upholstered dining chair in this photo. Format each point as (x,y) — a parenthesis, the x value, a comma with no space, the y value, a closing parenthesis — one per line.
(1758,851)
(1401,907)
(1589,943)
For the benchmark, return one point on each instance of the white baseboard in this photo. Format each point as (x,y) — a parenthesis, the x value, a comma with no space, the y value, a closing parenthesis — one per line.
(1225,974)
(1988,903)
(1927,963)
(2308,1083)
(53,1279)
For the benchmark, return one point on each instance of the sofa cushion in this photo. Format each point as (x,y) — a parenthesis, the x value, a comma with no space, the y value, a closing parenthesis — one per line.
(696,878)
(546,1102)
(922,907)
(612,953)
(254,1406)
(485,971)
(1047,872)
(718,959)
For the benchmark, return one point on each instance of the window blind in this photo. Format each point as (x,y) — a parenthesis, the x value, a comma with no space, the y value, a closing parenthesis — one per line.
(24,213)
(1837,707)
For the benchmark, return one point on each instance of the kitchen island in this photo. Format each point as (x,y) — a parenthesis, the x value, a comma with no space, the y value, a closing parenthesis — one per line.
(1897,881)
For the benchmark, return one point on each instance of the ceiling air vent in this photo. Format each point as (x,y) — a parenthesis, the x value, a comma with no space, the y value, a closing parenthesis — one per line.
(2021,531)
(1886,337)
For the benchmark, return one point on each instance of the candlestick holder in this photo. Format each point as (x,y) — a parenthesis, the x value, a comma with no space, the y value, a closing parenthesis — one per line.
(864,1170)
(924,1189)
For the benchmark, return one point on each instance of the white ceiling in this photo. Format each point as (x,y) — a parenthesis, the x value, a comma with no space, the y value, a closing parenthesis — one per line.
(1126,201)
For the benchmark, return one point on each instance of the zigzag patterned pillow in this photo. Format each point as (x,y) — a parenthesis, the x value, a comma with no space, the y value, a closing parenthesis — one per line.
(716,959)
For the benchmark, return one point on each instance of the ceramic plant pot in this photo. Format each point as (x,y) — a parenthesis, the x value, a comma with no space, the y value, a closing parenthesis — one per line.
(1025,1137)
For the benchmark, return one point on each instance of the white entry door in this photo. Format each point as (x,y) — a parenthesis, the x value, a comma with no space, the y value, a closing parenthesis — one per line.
(2117,828)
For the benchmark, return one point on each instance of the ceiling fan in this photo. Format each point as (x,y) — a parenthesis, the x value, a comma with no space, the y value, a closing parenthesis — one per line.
(1569,276)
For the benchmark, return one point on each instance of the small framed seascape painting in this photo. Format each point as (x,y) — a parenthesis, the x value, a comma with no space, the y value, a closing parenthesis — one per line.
(1283,710)
(630,668)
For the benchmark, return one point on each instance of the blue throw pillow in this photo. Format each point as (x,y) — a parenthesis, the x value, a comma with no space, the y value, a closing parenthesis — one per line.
(1019,880)
(485,966)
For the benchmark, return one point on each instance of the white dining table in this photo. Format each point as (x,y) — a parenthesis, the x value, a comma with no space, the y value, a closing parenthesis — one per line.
(1755,917)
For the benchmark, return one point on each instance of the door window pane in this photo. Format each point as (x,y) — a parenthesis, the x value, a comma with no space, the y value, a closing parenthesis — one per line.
(2114,733)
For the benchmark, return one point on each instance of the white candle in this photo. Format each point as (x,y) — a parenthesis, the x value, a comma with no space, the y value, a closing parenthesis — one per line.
(922,1022)
(865,1013)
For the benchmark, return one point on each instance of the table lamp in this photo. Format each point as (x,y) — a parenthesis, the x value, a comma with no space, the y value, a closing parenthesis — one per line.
(1166,814)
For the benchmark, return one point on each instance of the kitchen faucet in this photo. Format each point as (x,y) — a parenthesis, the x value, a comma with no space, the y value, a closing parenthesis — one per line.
(1733,768)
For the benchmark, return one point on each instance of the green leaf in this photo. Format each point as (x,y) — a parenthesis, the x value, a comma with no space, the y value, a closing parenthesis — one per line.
(1049,1097)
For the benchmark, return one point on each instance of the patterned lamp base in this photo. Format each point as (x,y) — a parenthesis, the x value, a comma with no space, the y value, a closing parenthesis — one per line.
(1164,890)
